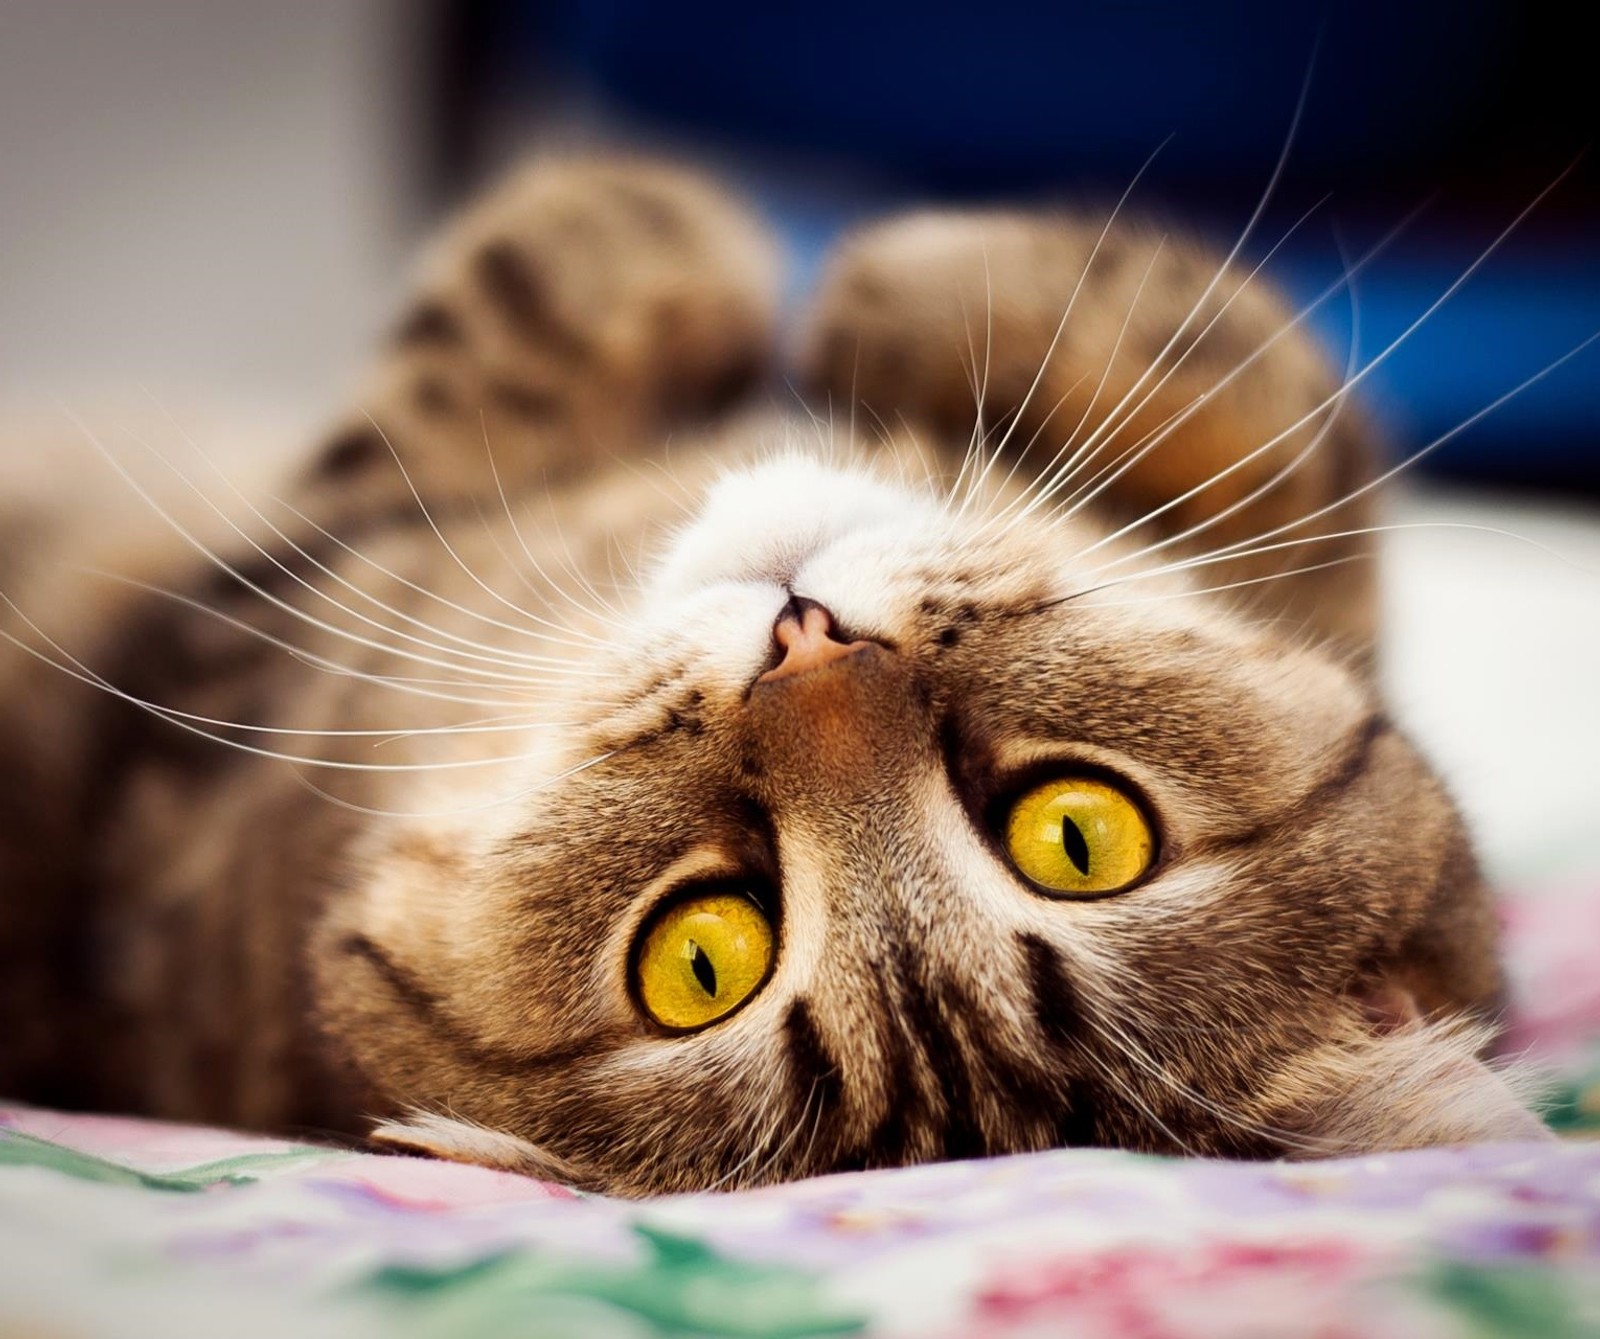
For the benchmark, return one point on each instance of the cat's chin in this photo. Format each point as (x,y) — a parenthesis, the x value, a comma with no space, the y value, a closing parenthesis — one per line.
(764,524)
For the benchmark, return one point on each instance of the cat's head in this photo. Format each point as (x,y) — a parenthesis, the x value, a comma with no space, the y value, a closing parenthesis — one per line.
(890,831)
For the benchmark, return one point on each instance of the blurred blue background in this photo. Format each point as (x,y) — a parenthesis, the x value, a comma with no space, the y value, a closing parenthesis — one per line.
(831,111)
(218,201)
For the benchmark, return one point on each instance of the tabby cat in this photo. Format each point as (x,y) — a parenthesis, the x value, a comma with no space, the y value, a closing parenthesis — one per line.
(585,770)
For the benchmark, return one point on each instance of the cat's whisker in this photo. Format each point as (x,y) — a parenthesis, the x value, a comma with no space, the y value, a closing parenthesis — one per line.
(570,563)
(1248,547)
(1371,366)
(804,1118)
(427,516)
(614,553)
(1061,325)
(601,609)
(1412,459)
(76,669)
(816,1129)
(534,692)
(482,725)
(522,684)
(494,656)
(1132,1051)
(1223,267)
(516,530)
(1116,347)
(457,811)
(1046,488)
(1136,1100)
(1285,471)
(586,642)
(205,551)
(511,565)
(1111,427)
(544,575)
(685,499)
(1064,509)
(978,384)
(282,535)
(1241,584)
(763,1145)
(1295,571)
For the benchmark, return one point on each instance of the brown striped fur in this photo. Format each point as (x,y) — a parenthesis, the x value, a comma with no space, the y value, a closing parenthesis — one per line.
(199,932)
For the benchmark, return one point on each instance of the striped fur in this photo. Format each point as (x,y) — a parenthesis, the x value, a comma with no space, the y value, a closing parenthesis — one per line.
(429,924)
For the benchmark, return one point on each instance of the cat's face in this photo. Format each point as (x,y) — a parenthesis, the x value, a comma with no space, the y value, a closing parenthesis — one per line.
(873,977)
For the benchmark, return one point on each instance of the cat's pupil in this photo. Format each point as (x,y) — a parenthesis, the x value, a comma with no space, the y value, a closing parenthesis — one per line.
(1076,847)
(704,972)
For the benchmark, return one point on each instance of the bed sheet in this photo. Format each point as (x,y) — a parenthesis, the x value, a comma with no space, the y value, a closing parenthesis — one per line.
(121,1227)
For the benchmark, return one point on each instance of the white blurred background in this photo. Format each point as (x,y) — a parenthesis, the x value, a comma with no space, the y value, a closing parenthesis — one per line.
(207,200)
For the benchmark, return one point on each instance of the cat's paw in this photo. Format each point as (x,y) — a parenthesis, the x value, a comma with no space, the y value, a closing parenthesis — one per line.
(585,301)
(1420,1086)
(1124,369)
(928,315)
(642,276)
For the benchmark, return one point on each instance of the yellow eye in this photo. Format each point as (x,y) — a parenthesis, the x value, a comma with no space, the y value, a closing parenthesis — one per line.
(1079,836)
(702,959)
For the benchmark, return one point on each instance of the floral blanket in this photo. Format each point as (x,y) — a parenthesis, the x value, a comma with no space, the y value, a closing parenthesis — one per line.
(115,1227)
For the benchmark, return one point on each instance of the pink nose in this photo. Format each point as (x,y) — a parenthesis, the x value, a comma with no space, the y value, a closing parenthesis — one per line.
(807,640)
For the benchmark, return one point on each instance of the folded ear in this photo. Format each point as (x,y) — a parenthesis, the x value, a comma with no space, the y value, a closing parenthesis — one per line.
(1409,1085)
(455,1140)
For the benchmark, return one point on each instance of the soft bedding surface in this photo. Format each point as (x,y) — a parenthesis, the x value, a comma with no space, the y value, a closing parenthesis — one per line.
(131,1228)
(117,1227)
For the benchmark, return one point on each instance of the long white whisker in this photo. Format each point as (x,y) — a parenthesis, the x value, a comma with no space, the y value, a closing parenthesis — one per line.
(1131,1050)
(522,543)
(216,560)
(508,659)
(588,642)
(456,811)
(1105,375)
(1227,261)
(76,669)
(1109,428)
(1366,371)
(1352,359)
(1210,559)
(305,520)
(1061,325)
(315,660)
(445,543)
(1240,548)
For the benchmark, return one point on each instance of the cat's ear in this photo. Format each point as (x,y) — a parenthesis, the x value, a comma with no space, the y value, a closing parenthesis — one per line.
(456,1140)
(1401,1084)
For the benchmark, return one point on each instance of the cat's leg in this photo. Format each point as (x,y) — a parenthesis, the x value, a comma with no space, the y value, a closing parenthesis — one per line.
(581,308)
(1130,376)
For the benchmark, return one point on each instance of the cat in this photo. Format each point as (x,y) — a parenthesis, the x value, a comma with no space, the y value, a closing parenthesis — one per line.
(638,784)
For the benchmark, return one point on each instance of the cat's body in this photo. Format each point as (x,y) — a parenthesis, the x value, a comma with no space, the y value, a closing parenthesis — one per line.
(209,933)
